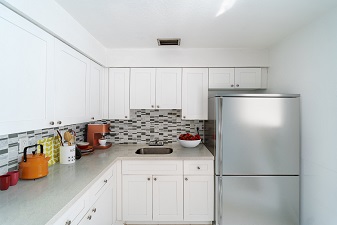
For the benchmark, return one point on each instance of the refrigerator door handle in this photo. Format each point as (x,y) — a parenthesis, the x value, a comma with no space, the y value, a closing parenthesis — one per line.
(220,203)
(219,138)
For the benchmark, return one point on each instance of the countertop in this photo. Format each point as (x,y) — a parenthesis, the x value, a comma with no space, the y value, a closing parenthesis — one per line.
(38,201)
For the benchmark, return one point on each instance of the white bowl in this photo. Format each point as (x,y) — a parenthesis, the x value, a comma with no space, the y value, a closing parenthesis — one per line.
(102,141)
(189,143)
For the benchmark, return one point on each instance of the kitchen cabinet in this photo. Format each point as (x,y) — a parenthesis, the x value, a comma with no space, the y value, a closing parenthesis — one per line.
(95,91)
(119,87)
(152,190)
(168,88)
(26,56)
(142,88)
(72,71)
(198,190)
(137,197)
(235,78)
(101,211)
(195,94)
(95,206)
(167,198)
(155,88)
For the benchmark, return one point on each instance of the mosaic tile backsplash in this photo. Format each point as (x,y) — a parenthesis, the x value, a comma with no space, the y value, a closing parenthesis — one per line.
(146,125)
(143,126)
(11,155)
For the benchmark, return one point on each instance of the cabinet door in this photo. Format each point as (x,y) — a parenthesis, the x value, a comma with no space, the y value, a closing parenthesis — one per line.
(137,198)
(168,88)
(167,198)
(26,57)
(220,78)
(71,84)
(198,198)
(119,86)
(142,88)
(95,92)
(101,212)
(248,78)
(195,94)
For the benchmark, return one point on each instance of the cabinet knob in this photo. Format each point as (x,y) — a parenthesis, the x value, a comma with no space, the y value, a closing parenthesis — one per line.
(155,179)
(89,217)
(148,179)
(186,179)
(59,122)
(51,123)
(92,118)
(68,222)
(198,167)
(157,106)
(105,181)
(237,85)
(152,106)
(94,210)
(232,85)
(125,117)
(184,116)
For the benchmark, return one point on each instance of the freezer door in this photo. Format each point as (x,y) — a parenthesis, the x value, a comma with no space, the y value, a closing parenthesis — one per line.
(264,200)
(257,136)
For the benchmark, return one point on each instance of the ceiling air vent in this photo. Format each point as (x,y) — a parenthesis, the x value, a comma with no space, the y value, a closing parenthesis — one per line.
(168,41)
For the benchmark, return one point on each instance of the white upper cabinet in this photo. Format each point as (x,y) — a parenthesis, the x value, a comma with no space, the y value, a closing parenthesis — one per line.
(155,88)
(248,77)
(168,88)
(236,78)
(95,91)
(221,78)
(195,94)
(72,71)
(142,88)
(119,86)
(26,72)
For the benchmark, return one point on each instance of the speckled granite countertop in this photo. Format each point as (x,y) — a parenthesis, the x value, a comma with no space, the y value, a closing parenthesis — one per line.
(37,201)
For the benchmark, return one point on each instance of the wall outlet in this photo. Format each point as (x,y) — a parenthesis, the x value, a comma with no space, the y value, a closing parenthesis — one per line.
(23,142)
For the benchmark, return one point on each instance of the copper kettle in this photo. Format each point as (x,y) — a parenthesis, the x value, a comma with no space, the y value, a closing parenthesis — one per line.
(33,165)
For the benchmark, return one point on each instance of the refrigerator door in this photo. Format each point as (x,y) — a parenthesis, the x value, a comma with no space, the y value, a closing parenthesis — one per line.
(257,136)
(262,200)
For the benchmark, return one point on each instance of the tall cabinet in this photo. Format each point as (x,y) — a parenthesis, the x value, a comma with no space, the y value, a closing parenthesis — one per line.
(95,92)
(26,56)
(195,94)
(119,89)
(72,71)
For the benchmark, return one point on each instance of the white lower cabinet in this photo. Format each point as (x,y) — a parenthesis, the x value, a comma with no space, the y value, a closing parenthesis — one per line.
(170,195)
(137,197)
(95,206)
(198,198)
(152,198)
(167,198)
(101,212)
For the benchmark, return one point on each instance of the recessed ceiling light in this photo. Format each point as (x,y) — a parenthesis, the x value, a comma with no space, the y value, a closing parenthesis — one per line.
(168,41)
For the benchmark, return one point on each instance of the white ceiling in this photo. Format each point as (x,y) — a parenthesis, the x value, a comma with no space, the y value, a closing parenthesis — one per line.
(248,24)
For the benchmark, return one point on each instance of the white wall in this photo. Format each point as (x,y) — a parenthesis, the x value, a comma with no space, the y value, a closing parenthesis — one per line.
(306,63)
(180,57)
(52,17)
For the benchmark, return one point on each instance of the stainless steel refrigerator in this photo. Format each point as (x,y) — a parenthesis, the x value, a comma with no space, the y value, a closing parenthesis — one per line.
(255,139)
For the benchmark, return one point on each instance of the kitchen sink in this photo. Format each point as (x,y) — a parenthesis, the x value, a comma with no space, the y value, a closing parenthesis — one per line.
(154,151)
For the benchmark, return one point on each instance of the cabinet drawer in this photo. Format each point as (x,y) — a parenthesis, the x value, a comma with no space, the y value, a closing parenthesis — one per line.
(72,213)
(198,167)
(155,167)
(99,186)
